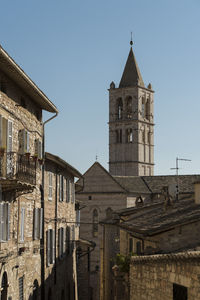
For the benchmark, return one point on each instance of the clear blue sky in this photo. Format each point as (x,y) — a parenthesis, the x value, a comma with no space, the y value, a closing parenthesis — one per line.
(73,49)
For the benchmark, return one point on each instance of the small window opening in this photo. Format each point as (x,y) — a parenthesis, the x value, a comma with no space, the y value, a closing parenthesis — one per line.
(119,109)
(147,109)
(129,108)
(129,135)
(179,292)
(89,197)
(143,107)
(118,133)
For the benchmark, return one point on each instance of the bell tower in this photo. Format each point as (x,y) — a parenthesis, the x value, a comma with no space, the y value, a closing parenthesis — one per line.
(131,127)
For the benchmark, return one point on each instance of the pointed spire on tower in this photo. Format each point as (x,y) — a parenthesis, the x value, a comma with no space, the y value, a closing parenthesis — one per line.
(131,75)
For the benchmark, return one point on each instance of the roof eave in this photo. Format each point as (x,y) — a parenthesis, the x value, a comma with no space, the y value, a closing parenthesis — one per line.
(13,70)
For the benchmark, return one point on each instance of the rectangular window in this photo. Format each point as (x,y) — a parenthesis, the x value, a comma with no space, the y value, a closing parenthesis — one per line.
(21,288)
(50,248)
(68,190)
(38,148)
(22,219)
(38,223)
(50,185)
(72,192)
(4,222)
(61,242)
(78,217)
(61,188)
(24,137)
(67,240)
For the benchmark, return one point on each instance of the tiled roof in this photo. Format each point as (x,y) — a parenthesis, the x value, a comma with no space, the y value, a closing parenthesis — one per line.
(153,219)
(134,184)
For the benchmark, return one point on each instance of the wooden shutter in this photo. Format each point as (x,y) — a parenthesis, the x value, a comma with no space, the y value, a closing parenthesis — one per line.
(22,224)
(8,221)
(59,242)
(50,186)
(27,141)
(38,148)
(53,246)
(72,192)
(1,127)
(41,223)
(48,247)
(4,132)
(67,191)
(1,221)
(64,189)
(35,223)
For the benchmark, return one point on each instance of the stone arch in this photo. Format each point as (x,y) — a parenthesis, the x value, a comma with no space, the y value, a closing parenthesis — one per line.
(119,108)
(129,109)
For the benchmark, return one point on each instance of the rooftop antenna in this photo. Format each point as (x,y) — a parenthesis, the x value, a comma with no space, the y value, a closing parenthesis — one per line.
(96,157)
(131,41)
(177,168)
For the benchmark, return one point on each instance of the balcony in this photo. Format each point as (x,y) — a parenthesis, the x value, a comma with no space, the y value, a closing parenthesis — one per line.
(17,171)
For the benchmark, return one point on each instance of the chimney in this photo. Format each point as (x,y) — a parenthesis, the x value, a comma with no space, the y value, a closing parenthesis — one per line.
(197,192)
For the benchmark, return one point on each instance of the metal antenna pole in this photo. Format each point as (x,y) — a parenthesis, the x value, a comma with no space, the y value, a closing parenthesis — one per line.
(177,168)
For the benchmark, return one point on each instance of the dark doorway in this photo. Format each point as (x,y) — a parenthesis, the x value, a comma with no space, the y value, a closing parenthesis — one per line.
(4,286)
(179,292)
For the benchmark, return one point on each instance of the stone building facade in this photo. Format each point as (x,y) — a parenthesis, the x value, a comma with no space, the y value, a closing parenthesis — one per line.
(131,127)
(61,227)
(21,138)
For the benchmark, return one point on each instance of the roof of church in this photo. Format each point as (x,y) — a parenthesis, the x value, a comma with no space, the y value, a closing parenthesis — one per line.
(133,184)
(131,75)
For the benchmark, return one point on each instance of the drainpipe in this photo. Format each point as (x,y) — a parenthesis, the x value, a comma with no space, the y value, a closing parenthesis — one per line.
(43,206)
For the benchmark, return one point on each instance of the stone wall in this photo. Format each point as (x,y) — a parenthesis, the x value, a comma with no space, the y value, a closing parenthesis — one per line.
(155,277)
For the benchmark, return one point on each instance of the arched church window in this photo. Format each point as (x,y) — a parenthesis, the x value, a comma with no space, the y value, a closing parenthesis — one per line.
(143,107)
(118,135)
(4,287)
(147,109)
(129,107)
(129,135)
(109,212)
(119,108)
(149,137)
(95,222)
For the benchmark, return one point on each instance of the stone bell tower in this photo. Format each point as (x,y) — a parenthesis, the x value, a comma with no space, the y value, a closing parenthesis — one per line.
(131,127)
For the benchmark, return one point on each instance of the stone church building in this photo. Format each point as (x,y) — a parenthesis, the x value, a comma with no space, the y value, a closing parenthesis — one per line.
(131,147)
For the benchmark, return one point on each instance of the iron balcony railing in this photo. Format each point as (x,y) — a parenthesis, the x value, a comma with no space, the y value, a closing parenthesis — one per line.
(18,166)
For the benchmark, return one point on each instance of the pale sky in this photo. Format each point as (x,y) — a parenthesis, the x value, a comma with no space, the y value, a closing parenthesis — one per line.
(73,49)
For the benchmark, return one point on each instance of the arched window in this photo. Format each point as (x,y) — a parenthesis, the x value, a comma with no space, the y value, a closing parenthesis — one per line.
(119,108)
(109,212)
(129,107)
(147,109)
(129,135)
(143,107)
(4,287)
(95,222)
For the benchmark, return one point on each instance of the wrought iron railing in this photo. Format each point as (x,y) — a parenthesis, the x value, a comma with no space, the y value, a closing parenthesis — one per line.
(18,166)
